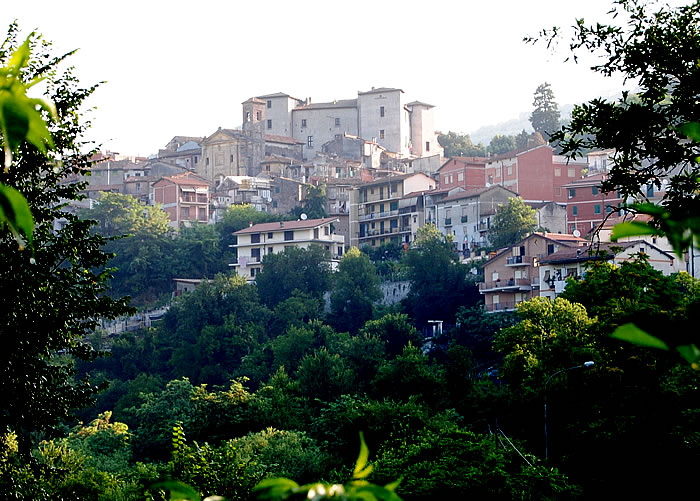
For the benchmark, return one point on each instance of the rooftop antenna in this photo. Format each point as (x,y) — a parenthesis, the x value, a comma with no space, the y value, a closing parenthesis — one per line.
(303,216)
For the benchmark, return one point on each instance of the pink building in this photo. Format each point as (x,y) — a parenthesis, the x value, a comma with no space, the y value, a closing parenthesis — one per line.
(185,197)
(535,174)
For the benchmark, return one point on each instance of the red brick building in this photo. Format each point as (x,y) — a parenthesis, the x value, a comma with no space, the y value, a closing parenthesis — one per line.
(586,204)
(462,172)
(185,197)
(535,174)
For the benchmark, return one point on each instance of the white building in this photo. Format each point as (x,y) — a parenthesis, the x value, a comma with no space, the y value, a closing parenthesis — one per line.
(567,262)
(258,240)
(380,115)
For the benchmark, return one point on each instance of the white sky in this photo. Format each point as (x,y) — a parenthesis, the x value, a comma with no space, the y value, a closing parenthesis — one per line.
(183,68)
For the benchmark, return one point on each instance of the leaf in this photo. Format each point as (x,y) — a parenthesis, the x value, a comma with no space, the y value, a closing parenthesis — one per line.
(179,491)
(274,488)
(632,229)
(691,130)
(691,353)
(633,334)
(14,210)
(362,469)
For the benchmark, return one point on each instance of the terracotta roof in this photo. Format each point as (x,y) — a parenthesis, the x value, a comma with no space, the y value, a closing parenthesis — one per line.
(560,238)
(401,177)
(104,187)
(272,138)
(254,100)
(589,252)
(278,159)
(286,225)
(594,180)
(186,178)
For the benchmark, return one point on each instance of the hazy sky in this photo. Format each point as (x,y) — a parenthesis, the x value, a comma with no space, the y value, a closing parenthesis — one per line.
(183,68)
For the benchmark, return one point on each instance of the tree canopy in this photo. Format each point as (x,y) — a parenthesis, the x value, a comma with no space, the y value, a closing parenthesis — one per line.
(657,47)
(512,223)
(53,296)
(545,116)
(460,145)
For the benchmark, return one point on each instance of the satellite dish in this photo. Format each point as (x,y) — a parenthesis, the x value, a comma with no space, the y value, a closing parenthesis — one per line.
(303,216)
(576,233)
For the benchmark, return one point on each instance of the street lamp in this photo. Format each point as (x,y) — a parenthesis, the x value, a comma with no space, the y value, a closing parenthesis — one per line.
(584,365)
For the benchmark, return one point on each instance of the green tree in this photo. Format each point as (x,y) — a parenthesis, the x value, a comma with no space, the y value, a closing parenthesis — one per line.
(657,47)
(501,144)
(395,330)
(460,145)
(433,269)
(526,140)
(545,116)
(55,297)
(119,215)
(307,270)
(314,203)
(354,292)
(512,223)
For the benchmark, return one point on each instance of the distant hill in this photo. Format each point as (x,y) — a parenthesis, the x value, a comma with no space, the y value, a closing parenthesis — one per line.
(512,127)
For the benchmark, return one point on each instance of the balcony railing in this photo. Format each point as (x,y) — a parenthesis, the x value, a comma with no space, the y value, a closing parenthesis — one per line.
(514,283)
(482,227)
(378,215)
(505,306)
(518,260)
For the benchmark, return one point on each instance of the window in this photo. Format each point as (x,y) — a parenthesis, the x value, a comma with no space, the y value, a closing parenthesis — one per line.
(510,170)
(289,235)
(557,171)
(269,103)
(650,190)
(427,146)
(315,233)
(337,122)
(269,236)
(255,238)
(247,116)
(550,249)
(340,250)
(594,190)
(575,210)
(255,254)
(572,172)
(572,193)
(206,161)
(258,115)
(185,213)
(460,176)
(381,111)
(303,123)
(269,124)
(231,158)
(381,133)
(608,209)
(270,250)
(596,209)
(326,230)
(309,141)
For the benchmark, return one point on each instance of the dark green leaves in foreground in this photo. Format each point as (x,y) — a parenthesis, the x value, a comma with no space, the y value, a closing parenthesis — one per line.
(274,489)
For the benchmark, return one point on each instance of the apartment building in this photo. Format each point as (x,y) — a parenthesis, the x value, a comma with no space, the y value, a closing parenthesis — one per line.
(512,275)
(258,240)
(587,205)
(535,174)
(466,214)
(185,197)
(468,173)
(388,210)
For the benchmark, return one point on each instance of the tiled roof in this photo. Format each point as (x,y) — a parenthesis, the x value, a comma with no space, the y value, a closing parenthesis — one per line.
(272,138)
(380,89)
(589,252)
(186,178)
(419,103)
(341,103)
(286,225)
(473,192)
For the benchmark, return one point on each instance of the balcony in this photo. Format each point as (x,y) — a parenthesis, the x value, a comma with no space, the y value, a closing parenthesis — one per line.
(378,215)
(511,284)
(482,227)
(513,261)
(496,307)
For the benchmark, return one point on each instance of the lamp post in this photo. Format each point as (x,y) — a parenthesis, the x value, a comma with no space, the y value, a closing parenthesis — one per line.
(584,365)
